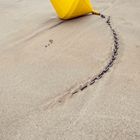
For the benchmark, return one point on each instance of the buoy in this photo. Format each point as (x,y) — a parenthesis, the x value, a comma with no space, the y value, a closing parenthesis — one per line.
(68,9)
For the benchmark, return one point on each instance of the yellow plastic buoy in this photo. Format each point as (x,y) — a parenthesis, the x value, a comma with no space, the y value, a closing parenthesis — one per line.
(67,9)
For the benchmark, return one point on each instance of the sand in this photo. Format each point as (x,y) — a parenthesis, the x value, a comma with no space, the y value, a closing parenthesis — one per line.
(43,60)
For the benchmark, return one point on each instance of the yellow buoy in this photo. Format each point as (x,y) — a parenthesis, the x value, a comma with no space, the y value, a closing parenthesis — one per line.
(67,9)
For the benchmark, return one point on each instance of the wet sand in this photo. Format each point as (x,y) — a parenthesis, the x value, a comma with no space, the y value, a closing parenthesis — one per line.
(48,68)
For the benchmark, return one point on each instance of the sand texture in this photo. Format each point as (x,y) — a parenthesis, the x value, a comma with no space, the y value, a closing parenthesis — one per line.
(69,80)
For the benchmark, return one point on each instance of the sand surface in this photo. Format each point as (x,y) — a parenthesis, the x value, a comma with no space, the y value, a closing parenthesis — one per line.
(43,59)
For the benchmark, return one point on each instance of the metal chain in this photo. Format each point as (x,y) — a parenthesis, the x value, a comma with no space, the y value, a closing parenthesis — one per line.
(93,79)
(106,69)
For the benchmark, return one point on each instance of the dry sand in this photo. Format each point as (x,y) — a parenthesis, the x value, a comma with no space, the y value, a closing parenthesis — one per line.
(35,77)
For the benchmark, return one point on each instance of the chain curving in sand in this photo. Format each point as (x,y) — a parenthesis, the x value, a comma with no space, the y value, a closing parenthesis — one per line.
(93,79)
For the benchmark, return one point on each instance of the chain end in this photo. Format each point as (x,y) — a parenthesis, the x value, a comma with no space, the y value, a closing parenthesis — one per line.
(96,13)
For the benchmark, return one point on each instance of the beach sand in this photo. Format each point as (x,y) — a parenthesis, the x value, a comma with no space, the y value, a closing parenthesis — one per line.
(45,63)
